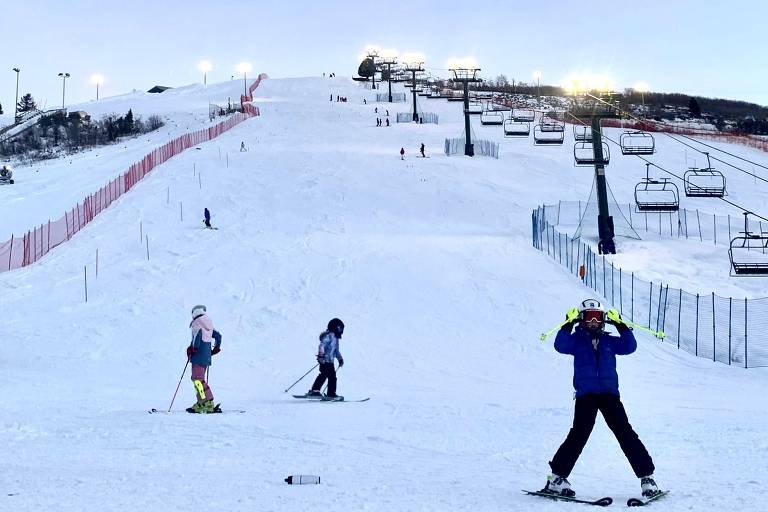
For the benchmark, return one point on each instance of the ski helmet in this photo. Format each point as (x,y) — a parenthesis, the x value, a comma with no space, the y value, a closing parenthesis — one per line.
(336,326)
(591,310)
(197,311)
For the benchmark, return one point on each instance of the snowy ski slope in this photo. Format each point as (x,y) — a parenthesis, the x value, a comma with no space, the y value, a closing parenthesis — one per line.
(429,263)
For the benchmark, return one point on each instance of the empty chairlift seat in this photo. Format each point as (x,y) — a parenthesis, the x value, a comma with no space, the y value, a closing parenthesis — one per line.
(523,115)
(475,107)
(582,133)
(514,128)
(656,195)
(491,117)
(637,143)
(584,154)
(748,252)
(704,183)
(544,135)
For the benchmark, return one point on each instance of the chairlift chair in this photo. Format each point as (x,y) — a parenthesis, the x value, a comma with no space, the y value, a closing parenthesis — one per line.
(523,115)
(544,136)
(584,154)
(492,117)
(656,195)
(514,128)
(706,182)
(582,133)
(748,253)
(637,143)
(547,124)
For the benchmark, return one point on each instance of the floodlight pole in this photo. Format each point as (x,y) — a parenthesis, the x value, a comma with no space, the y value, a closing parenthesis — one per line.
(64,77)
(465,76)
(413,69)
(389,75)
(605,226)
(16,103)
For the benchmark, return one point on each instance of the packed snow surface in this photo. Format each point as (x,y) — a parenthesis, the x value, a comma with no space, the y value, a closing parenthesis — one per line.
(429,263)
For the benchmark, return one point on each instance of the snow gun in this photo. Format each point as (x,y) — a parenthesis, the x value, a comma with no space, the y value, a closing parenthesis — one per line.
(611,314)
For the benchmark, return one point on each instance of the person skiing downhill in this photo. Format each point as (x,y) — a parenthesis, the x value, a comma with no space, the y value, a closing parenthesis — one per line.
(327,351)
(421,149)
(597,389)
(207,218)
(199,353)
(402,153)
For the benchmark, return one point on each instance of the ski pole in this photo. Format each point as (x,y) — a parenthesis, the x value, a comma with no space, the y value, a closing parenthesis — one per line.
(547,334)
(658,334)
(178,385)
(300,378)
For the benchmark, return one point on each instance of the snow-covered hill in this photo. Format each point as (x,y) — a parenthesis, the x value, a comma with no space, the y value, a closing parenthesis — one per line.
(429,263)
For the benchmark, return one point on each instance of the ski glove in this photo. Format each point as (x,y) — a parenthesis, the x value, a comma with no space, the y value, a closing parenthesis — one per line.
(215,350)
(190,351)
(614,317)
(572,315)
(320,358)
(341,362)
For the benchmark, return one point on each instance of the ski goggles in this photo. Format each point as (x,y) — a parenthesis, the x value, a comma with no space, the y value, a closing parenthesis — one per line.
(592,316)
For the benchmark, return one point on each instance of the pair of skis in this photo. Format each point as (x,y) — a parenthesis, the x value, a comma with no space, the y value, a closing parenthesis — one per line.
(217,410)
(321,398)
(601,502)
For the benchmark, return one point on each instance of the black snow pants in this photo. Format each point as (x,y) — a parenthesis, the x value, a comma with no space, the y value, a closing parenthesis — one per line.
(616,418)
(327,371)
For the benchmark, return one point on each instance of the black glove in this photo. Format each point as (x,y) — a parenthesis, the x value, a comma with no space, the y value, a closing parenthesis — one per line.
(341,362)
(320,359)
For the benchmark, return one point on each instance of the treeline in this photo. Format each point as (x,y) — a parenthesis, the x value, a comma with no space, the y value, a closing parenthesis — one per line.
(57,132)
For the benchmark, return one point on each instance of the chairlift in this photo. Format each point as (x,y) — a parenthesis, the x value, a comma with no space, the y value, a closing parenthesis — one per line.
(582,133)
(514,128)
(475,107)
(548,124)
(584,154)
(637,143)
(749,252)
(543,135)
(492,117)
(656,195)
(706,182)
(523,115)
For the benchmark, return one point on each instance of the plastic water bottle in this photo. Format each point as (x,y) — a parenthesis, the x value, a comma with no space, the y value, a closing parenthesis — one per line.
(302,479)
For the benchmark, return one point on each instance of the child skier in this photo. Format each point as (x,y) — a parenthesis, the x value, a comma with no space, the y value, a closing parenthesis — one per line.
(597,389)
(207,218)
(199,354)
(327,351)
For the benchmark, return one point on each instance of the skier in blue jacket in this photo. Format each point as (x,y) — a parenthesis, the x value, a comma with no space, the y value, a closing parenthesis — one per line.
(597,389)
(327,352)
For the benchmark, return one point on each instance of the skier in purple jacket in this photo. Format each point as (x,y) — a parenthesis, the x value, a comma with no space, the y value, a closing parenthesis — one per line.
(597,389)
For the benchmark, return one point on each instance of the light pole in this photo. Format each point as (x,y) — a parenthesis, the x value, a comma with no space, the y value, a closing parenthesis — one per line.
(205,66)
(64,77)
(642,88)
(16,103)
(244,68)
(537,77)
(97,80)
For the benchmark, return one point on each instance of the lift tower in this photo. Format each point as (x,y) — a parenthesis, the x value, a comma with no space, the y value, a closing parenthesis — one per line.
(389,63)
(466,76)
(413,68)
(591,112)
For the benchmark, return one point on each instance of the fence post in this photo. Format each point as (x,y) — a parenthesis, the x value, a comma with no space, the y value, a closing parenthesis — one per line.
(664,310)
(85,281)
(746,339)
(679,316)
(613,294)
(632,299)
(714,226)
(701,238)
(10,253)
(604,276)
(696,346)
(650,304)
(729,228)
(685,218)
(714,342)
(730,323)
(621,299)
(147,247)
(658,310)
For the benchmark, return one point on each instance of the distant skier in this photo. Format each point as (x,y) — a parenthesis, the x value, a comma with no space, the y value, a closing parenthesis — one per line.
(402,153)
(365,102)
(387,121)
(327,351)
(6,175)
(421,149)
(375,110)
(597,389)
(207,220)
(242,146)
(387,112)
(199,353)
(331,98)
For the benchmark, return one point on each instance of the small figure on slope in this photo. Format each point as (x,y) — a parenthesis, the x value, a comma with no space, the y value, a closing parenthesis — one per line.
(597,389)
(199,353)
(402,153)
(422,151)
(242,146)
(207,219)
(327,351)
(6,175)
(387,121)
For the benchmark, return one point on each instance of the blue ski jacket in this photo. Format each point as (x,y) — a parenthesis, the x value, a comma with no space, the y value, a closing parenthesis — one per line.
(328,350)
(594,366)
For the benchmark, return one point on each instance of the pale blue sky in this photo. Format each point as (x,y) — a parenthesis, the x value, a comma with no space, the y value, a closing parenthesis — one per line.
(696,47)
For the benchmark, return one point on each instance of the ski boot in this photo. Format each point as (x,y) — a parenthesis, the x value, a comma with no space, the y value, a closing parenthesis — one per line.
(313,393)
(333,398)
(205,407)
(558,485)
(649,487)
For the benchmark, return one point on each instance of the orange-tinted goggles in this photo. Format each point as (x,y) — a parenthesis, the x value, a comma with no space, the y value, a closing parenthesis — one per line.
(592,316)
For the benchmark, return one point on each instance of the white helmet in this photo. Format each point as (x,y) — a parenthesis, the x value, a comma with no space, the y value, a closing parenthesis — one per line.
(591,304)
(197,311)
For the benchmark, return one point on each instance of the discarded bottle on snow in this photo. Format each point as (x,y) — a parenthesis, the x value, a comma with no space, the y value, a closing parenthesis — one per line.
(302,479)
